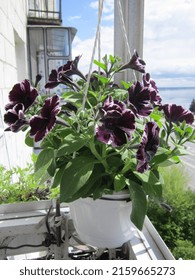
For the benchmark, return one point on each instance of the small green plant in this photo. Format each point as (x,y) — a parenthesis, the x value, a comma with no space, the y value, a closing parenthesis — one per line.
(178,224)
(19,184)
(184,249)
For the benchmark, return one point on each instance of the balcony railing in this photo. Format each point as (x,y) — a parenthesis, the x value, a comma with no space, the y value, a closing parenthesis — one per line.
(47,12)
(30,223)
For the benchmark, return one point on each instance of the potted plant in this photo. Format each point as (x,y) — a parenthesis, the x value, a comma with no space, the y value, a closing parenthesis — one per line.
(99,138)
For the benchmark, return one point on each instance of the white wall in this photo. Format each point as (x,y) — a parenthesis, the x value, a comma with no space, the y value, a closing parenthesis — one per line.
(13,69)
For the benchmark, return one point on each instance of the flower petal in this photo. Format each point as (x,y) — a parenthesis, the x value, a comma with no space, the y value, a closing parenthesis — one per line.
(139,99)
(22,93)
(176,113)
(148,146)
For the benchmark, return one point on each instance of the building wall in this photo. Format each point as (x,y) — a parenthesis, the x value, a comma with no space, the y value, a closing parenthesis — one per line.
(13,69)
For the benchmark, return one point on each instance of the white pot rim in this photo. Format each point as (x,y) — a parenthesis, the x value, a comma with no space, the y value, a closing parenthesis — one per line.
(120,196)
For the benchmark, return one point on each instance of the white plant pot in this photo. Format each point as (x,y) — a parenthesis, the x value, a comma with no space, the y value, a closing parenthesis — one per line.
(105,222)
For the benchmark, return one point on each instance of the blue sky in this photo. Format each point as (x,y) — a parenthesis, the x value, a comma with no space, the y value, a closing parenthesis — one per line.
(169,36)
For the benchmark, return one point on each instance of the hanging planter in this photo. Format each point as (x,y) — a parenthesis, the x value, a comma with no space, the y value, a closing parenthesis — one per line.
(105,222)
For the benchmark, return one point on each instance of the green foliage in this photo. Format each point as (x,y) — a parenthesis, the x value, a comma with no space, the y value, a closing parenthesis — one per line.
(184,249)
(19,184)
(179,224)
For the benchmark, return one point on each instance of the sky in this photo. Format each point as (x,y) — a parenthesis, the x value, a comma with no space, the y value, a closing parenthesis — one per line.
(169,37)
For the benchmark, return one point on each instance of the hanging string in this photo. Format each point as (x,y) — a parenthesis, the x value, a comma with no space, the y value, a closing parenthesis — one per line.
(99,37)
(93,53)
(124,32)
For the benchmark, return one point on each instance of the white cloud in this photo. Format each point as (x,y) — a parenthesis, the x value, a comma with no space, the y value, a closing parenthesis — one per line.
(85,47)
(71,18)
(108,17)
(94,5)
(168,40)
(108,9)
(108,6)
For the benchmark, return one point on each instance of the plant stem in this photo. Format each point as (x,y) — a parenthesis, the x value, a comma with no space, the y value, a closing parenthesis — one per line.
(97,155)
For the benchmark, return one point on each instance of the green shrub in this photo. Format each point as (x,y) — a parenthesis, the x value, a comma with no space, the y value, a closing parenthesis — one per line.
(184,249)
(179,224)
(19,184)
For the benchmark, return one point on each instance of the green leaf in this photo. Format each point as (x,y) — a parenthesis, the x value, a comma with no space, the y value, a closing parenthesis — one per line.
(158,159)
(112,59)
(44,158)
(152,183)
(71,144)
(57,177)
(73,97)
(75,175)
(100,64)
(94,183)
(101,78)
(154,190)
(119,182)
(139,204)
(125,84)
(52,168)
(29,140)
(181,151)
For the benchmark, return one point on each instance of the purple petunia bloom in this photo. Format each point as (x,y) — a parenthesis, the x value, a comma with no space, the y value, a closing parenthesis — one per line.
(15,118)
(135,63)
(22,93)
(139,99)
(154,93)
(176,113)
(117,123)
(63,74)
(148,146)
(37,79)
(42,124)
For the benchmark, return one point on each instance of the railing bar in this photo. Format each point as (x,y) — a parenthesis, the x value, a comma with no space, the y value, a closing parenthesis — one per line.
(33,10)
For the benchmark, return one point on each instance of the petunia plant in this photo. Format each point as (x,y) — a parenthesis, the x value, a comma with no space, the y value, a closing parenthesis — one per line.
(100,137)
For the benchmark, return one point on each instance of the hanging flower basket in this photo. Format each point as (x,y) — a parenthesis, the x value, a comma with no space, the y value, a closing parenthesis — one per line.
(100,137)
(105,222)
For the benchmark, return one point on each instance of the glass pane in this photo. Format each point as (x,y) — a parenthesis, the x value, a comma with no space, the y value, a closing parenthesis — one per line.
(55,63)
(57,42)
(36,47)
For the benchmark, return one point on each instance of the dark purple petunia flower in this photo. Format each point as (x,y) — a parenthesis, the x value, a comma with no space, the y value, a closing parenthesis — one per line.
(117,123)
(37,79)
(22,93)
(154,93)
(42,124)
(139,99)
(63,74)
(176,113)
(57,77)
(15,118)
(135,63)
(148,146)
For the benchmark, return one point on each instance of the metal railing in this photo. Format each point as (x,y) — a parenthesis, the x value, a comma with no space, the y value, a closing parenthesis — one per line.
(45,9)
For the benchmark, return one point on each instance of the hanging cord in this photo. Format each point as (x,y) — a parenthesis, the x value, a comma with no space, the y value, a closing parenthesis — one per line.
(99,38)
(93,53)
(124,32)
